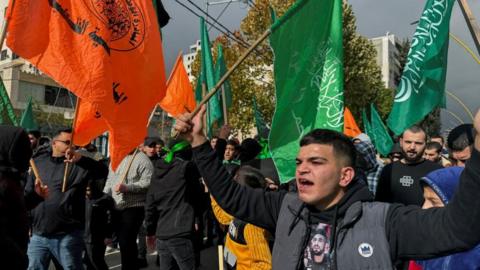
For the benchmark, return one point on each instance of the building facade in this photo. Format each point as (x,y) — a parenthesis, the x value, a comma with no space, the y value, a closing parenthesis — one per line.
(189,58)
(387,58)
(23,81)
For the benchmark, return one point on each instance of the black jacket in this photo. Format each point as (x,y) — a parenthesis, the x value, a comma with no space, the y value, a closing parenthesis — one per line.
(98,219)
(62,212)
(15,152)
(173,198)
(412,233)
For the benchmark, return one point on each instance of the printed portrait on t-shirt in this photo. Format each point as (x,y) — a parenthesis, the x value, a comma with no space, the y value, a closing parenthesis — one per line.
(317,252)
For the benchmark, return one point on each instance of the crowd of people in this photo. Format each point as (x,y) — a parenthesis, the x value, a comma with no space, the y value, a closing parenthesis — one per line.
(346,208)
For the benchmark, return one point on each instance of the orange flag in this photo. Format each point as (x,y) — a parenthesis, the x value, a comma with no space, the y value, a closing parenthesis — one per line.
(88,124)
(350,127)
(179,91)
(108,53)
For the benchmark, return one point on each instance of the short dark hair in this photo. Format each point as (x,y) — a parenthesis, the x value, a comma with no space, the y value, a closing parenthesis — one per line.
(415,129)
(438,136)
(461,137)
(250,176)
(342,145)
(435,146)
(63,130)
(233,142)
(35,133)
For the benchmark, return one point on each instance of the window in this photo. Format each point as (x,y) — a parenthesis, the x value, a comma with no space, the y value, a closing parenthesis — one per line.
(15,56)
(59,97)
(4,55)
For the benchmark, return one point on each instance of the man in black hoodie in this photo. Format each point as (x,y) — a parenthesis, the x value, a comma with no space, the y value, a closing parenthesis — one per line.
(172,207)
(59,220)
(15,152)
(360,234)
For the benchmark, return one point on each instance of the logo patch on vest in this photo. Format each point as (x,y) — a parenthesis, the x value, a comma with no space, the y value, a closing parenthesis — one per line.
(365,250)
(406,181)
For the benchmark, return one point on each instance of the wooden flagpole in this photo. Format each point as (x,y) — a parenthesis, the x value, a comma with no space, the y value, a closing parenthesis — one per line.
(471,23)
(130,162)
(224,105)
(67,164)
(3,36)
(240,60)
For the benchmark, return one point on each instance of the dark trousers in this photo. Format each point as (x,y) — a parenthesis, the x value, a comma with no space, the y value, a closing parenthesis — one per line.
(94,257)
(128,224)
(142,242)
(176,252)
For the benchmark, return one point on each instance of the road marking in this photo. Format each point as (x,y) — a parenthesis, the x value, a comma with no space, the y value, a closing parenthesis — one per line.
(113,267)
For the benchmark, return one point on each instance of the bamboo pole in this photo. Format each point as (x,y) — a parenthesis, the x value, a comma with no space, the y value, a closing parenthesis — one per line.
(220,257)
(471,23)
(224,105)
(204,93)
(3,36)
(130,162)
(240,60)
(67,164)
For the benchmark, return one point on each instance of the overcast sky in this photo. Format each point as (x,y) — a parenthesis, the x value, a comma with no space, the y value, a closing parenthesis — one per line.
(374,18)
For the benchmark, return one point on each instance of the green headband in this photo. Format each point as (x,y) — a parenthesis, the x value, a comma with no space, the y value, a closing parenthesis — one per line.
(176,148)
(265,153)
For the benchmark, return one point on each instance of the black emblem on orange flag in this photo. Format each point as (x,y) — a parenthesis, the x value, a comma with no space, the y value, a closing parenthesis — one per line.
(118,97)
(97,114)
(78,27)
(97,40)
(125,21)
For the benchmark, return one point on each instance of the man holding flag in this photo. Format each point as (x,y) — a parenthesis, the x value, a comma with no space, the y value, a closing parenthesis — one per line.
(361,234)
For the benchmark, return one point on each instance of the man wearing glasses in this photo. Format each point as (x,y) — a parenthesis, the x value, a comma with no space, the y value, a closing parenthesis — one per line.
(59,219)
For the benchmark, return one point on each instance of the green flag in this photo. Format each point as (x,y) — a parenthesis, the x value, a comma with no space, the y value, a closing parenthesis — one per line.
(308,70)
(220,70)
(262,128)
(28,119)
(366,125)
(7,115)
(382,140)
(214,112)
(422,86)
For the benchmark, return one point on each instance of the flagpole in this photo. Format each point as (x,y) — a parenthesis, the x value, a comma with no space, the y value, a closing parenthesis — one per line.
(227,75)
(204,93)
(163,124)
(5,25)
(124,177)
(471,22)
(3,36)
(67,165)
(224,105)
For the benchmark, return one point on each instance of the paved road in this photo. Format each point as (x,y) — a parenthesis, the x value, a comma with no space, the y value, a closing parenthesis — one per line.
(209,260)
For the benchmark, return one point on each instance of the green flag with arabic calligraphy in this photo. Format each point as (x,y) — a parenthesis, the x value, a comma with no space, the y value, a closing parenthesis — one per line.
(422,86)
(308,69)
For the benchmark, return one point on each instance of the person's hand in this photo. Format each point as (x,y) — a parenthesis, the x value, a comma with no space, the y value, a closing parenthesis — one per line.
(121,188)
(41,189)
(107,241)
(476,125)
(196,227)
(191,130)
(72,156)
(151,242)
(224,132)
